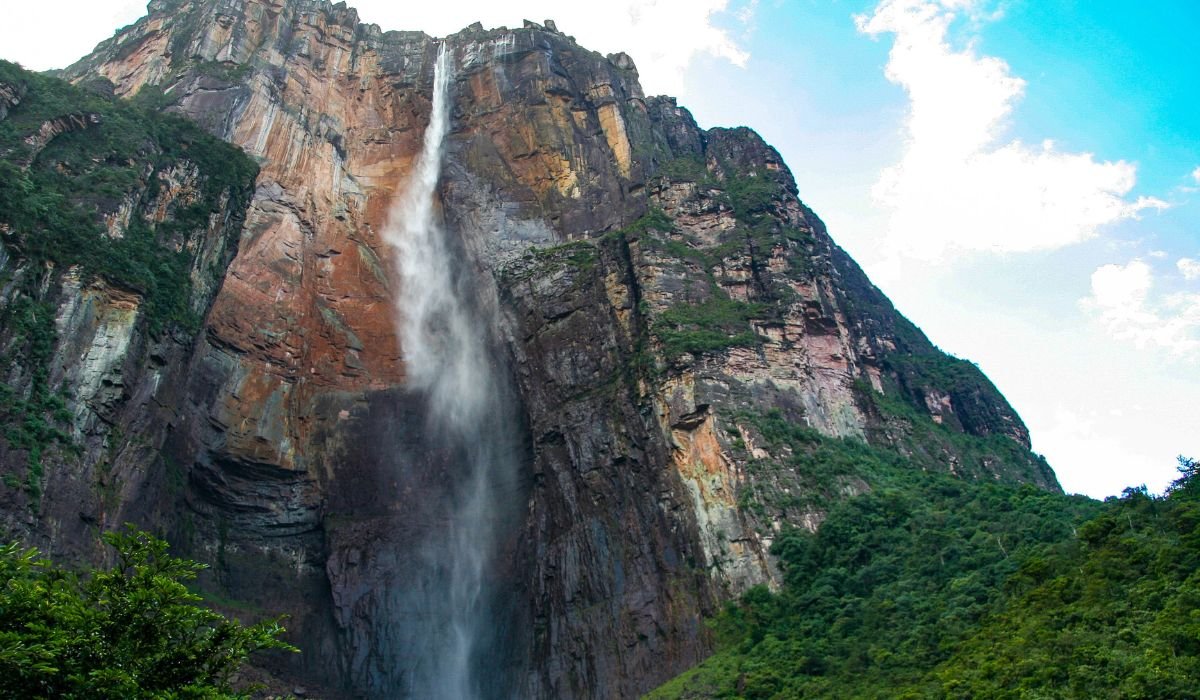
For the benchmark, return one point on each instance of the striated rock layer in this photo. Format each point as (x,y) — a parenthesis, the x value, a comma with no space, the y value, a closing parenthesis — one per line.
(662,292)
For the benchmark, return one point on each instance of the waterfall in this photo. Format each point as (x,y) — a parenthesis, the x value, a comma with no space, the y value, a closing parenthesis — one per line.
(450,359)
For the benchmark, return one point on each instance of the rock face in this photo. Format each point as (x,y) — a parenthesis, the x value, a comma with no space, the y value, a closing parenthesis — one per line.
(118,225)
(663,292)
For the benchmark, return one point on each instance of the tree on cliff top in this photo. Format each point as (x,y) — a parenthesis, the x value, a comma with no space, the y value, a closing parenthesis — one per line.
(130,631)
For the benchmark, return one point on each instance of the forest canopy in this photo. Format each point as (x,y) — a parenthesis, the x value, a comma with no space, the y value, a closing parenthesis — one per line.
(952,589)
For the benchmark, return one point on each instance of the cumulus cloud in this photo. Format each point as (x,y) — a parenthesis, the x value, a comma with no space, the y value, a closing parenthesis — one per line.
(1189,268)
(1123,302)
(959,185)
(662,36)
(1196,175)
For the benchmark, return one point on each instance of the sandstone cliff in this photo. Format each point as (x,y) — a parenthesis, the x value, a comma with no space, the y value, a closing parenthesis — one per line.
(665,299)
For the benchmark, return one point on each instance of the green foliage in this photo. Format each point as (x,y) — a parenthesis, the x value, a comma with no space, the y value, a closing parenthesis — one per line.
(653,220)
(886,588)
(714,324)
(928,445)
(31,422)
(946,372)
(52,205)
(809,469)
(934,587)
(916,366)
(1115,613)
(686,169)
(539,262)
(919,372)
(777,430)
(130,631)
(822,467)
(751,197)
(581,255)
(717,322)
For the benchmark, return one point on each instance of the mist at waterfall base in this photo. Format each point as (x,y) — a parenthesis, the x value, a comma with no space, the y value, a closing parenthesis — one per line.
(448,620)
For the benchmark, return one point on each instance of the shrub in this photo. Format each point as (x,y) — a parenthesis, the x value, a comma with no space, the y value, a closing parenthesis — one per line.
(131,630)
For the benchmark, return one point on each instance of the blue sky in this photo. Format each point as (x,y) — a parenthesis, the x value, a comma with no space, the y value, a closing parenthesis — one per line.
(1022,177)
(1108,394)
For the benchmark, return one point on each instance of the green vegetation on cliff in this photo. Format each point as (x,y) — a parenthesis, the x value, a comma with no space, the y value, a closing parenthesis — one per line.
(714,324)
(69,156)
(974,451)
(936,587)
(129,631)
(117,191)
(31,421)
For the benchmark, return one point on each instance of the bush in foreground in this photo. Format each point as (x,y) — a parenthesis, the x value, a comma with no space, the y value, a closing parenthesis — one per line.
(130,631)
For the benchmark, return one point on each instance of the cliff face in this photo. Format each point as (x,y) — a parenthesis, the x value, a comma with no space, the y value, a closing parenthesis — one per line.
(664,298)
(117,224)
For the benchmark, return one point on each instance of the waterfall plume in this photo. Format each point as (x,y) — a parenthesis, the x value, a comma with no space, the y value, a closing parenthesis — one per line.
(445,335)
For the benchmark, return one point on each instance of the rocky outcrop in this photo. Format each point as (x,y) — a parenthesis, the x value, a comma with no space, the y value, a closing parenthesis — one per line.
(10,96)
(663,295)
(56,127)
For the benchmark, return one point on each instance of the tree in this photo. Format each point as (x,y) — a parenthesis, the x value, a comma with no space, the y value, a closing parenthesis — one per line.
(1189,474)
(130,631)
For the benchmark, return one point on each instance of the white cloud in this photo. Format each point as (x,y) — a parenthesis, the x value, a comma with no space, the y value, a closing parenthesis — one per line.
(56,33)
(662,36)
(1121,300)
(1189,268)
(958,184)
(1094,454)
(1196,175)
